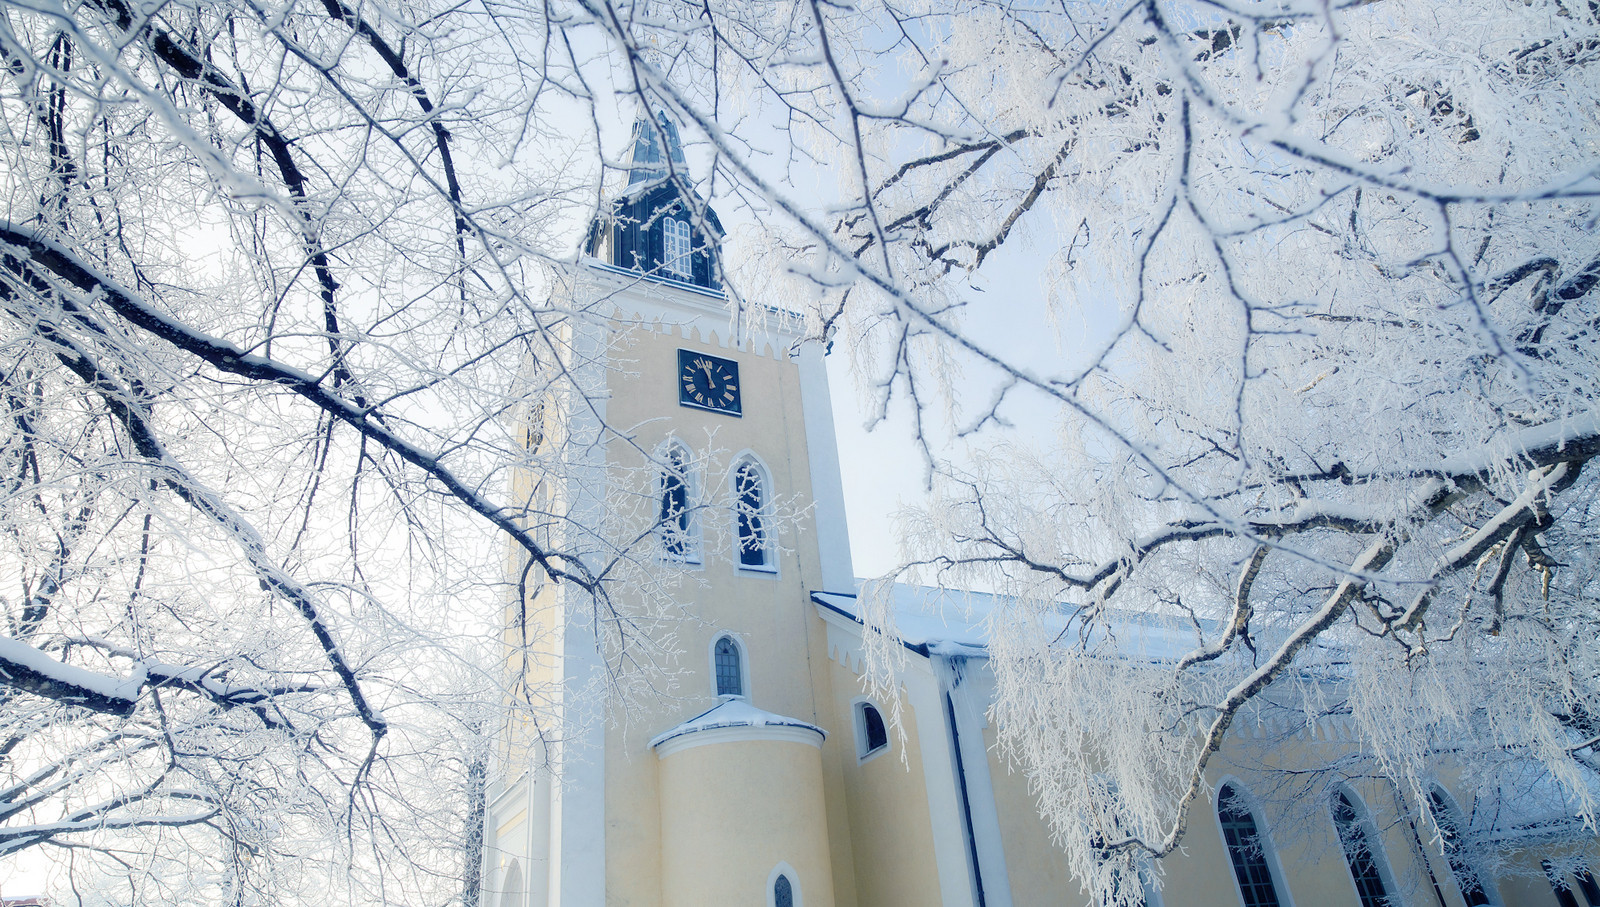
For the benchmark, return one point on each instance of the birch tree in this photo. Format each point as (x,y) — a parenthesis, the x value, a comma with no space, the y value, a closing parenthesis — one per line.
(280,288)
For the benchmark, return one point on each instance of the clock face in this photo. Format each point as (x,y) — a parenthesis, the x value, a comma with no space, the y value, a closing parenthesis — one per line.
(708,382)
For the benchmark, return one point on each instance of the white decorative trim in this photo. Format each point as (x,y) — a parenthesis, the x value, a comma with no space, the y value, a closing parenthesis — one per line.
(844,638)
(941,786)
(686,311)
(961,676)
(827,484)
(780,733)
(577,801)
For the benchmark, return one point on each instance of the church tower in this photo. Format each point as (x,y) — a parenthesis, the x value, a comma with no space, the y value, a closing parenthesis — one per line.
(726,787)
(706,488)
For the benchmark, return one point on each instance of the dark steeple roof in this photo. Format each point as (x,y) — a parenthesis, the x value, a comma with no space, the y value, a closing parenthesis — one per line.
(647,161)
(659,226)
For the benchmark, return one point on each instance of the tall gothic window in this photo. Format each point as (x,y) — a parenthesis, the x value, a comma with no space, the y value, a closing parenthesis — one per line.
(1359,852)
(750,499)
(782,892)
(730,673)
(675,252)
(1589,887)
(1449,822)
(674,516)
(1246,849)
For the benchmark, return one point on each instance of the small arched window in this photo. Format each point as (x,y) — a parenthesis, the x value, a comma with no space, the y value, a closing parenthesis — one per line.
(750,501)
(871,733)
(1448,819)
(782,891)
(729,666)
(1247,849)
(674,517)
(675,247)
(1359,853)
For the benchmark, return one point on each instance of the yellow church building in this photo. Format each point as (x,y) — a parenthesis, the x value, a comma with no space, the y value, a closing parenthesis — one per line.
(766,777)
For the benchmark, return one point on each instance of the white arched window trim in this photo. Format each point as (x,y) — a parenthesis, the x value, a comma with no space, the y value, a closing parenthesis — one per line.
(1369,828)
(1269,851)
(744,666)
(1459,818)
(763,514)
(691,493)
(784,869)
(858,715)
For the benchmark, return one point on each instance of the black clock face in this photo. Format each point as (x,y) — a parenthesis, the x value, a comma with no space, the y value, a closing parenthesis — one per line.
(708,382)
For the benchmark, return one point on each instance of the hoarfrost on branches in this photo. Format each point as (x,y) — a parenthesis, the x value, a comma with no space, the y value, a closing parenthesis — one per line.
(266,282)
(282,288)
(1325,275)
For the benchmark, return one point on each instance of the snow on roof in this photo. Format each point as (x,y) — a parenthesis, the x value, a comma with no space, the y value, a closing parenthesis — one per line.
(929,620)
(733,713)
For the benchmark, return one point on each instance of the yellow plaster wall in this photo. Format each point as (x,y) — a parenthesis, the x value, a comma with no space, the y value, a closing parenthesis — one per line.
(886,801)
(838,757)
(1037,870)
(1309,865)
(769,612)
(731,812)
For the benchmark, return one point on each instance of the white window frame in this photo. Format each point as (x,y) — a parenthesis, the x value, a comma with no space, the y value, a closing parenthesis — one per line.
(769,550)
(744,667)
(858,714)
(677,252)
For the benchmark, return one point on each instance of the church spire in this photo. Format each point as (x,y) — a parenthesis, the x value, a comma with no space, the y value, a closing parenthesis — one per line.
(647,158)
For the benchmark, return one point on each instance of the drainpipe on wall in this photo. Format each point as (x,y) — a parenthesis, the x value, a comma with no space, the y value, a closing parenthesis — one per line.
(964,712)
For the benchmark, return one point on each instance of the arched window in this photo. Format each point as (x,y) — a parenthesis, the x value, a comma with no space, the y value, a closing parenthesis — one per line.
(674,516)
(1359,853)
(750,501)
(1246,849)
(782,892)
(1563,891)
(725,657)
(675,247)
(1448,818)
(511,894)
(871,733)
